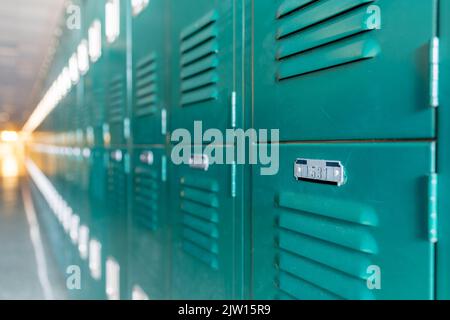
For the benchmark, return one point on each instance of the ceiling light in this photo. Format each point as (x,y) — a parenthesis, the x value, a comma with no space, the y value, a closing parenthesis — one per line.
(83,57)
(112,20)
(95,41)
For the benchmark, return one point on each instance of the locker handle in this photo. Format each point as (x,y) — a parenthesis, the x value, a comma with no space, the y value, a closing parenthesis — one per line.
(199,161)
(147,157)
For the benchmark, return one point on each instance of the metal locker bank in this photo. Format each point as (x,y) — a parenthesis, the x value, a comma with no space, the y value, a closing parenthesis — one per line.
(225,150)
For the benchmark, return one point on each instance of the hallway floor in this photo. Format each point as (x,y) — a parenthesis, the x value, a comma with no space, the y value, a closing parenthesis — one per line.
(27,268)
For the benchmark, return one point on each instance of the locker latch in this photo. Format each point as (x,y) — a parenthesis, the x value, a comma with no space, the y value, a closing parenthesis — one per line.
(199,161)
(147,158)
(319,171)
(117,155)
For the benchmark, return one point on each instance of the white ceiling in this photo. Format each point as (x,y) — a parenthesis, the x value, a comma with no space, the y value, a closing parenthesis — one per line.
(27,30)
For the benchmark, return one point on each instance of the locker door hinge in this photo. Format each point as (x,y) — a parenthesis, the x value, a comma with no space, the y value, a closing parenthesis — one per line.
(126,128)
(233,109)
(164,169)
(434,72)
(233,180)
(163,121)
(432,208)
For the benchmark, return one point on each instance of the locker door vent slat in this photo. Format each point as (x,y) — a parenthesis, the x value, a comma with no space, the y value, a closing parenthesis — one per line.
(198,61)
(325,246)
(116,183)
(97,105)
(146,90)
(116,100)
(199,203)
(71,103)
(146,197)
(318,35)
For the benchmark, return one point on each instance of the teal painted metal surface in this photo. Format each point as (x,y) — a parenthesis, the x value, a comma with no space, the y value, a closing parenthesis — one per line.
(319,241)
(316,71)
(335,70)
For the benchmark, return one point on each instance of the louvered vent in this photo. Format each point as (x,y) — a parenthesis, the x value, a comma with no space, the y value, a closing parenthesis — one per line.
(200,219)
(324,248)
(199,61)
(146,196)
(317,35)
(71,105)
(116,100)
(85,119)
(146,94)
(97,105)
(117,184)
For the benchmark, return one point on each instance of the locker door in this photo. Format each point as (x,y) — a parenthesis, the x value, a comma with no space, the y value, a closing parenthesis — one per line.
(149,247)
(317,240)
(203,222)
(353,69)
(202,65)
(150,71)
(98,222)
(115,108)
(116,12)
(117,189)
(95,80)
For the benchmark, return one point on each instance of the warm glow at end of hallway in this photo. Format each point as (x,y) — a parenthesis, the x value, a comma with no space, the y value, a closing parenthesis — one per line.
(10,167)
(11,154)
(9,136)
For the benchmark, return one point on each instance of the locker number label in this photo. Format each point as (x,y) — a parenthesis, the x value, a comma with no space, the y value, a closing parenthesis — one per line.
(319,171)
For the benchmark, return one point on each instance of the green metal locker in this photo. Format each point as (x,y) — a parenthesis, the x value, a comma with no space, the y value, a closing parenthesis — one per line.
(150,71)
(203,66)
(345,221)
(204,218)
(338,70)
(149,248)
(443,246)
(116,139)
(95,80)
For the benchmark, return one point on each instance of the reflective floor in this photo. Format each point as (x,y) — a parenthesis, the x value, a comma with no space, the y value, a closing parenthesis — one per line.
(27,268)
